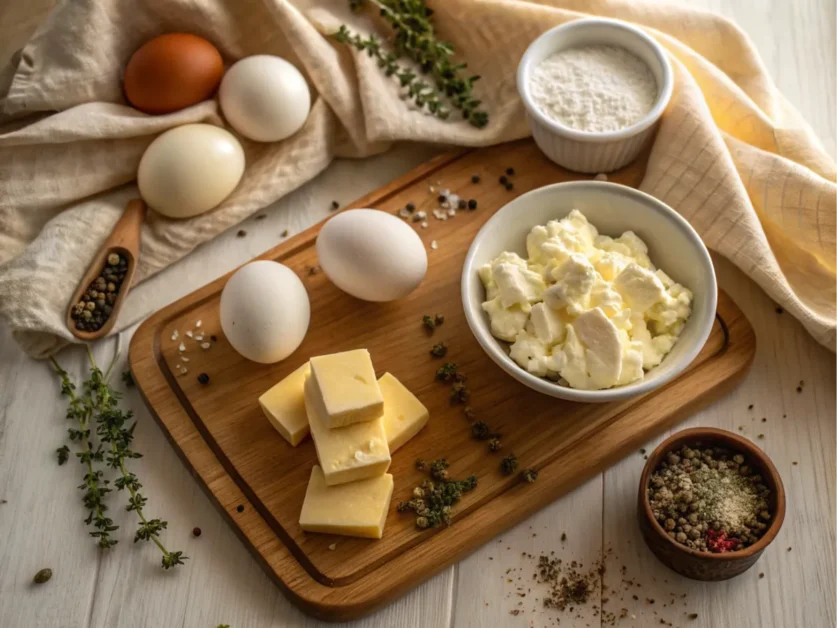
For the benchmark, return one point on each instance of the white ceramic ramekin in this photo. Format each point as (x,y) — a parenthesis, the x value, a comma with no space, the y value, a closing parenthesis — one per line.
(584,151)
(673,245)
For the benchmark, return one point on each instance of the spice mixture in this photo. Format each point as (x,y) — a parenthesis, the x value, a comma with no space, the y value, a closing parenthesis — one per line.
(709,499)
(96,304)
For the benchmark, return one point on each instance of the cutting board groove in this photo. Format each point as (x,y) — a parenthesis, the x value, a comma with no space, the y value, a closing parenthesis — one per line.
(243,464)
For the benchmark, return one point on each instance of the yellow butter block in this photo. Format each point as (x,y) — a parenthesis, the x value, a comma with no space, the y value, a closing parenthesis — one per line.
(354,509)
(348,388)
(350,453)
(404,414)
(284,406)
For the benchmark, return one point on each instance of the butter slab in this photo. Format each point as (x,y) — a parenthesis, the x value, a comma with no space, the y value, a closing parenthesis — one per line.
(284,406)
(348,388)
(355,509)
(404,414)
(350,453)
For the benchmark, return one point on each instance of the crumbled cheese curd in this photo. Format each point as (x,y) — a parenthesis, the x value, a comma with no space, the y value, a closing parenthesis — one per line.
(585,309)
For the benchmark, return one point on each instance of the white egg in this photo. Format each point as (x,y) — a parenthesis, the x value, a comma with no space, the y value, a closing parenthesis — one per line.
(372,255)
(265,311)
(190,169)
(265,98)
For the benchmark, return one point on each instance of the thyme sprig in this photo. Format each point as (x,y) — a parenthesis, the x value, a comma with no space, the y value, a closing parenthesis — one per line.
(99,403)
(95,486)
(414,38)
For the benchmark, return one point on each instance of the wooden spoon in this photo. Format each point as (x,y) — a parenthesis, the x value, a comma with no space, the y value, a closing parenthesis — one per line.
(124,240)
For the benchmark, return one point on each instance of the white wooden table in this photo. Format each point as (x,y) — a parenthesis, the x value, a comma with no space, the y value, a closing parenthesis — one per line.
(40,520)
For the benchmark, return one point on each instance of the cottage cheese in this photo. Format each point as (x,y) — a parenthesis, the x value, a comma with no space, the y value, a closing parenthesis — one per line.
(593,88)
(585,309)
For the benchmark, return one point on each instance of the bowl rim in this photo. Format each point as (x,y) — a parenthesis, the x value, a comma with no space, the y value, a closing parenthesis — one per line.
(737,443)
(664,91)
(492,347)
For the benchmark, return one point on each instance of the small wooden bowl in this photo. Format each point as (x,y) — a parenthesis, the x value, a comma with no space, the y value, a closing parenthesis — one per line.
(706,565)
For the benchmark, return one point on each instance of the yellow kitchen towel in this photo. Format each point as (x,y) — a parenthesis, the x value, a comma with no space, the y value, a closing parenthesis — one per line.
(731,155)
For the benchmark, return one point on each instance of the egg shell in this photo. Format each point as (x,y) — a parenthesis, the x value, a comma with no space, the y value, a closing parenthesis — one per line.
(372,255)
(265,98)
(172,72)
(190,169)
(265,311)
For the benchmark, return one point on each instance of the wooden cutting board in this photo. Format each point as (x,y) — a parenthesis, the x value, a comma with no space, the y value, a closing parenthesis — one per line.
(258,481)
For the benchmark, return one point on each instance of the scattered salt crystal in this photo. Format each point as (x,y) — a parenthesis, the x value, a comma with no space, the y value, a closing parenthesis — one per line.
(600,177)
(182,347)
(184,358)
(199,337)
(205,345)
(432,190)
(438,214)
(189,334)
(199,323)
(445,204)
(453,199)
(451,212)
(184,370)
(332,547)
(434,245)
(421,215)
(424,225)
(403,212)
(175,335)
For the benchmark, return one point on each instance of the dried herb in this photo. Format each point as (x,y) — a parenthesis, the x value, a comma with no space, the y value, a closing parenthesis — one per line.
(63,454)
(509,464)
(439,350)
(447,372)
(481,431)
(494,445)
(433,500)
(459,393)
(421,465)
(439,319)
(414,38)
(529,475)
(428,322)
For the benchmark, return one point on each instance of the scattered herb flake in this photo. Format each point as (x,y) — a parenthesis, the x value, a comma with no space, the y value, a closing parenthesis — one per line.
(439,350)
(509,464)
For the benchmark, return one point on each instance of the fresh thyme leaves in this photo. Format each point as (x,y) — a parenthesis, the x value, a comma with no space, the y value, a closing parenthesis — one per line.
(115,432)
(63,454)
(433,500)
(414,37)
(128,379)
(95,487)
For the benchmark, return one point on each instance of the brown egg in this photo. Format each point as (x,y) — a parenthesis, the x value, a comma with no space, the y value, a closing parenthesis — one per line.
(172,72)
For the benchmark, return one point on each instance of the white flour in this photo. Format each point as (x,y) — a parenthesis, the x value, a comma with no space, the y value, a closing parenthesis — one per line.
(594,88)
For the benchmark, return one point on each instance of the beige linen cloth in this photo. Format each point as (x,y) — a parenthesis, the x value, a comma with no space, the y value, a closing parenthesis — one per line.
(731,155)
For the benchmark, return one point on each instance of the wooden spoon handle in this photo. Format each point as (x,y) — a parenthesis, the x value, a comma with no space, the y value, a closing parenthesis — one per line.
(125,240)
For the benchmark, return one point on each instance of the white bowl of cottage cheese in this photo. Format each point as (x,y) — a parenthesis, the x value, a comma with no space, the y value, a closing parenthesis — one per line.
(589,291)
(594,90)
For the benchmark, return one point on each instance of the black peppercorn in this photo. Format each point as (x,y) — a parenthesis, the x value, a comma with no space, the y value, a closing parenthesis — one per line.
(509,185)
(475,178)
(509,171)
(203,378)
(411,207)
(196,532)
(462,203)
(442,198)
(213,338)
(504,180)
(240,508)
(472,204)
(241,233)
(335,205)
